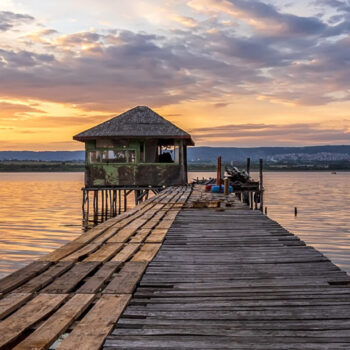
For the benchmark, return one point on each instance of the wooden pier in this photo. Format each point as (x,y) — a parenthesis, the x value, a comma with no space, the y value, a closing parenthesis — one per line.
(183,270)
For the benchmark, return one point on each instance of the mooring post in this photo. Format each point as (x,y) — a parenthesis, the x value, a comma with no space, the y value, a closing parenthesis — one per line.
(261,184)
(295,211)
(218,173)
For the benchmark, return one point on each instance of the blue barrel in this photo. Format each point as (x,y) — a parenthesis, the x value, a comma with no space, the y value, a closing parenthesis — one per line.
(215,189)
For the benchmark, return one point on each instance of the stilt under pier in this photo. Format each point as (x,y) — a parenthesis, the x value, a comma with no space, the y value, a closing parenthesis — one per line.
(108,202)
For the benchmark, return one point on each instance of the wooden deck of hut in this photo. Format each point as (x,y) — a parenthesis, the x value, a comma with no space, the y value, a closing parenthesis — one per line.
(166,275)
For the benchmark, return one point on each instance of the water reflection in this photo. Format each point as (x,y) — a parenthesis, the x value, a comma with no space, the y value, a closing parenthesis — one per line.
(41,211)
(38,213)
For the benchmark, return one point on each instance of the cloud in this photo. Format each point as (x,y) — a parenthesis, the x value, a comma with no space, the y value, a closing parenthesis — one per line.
(291,64)
(185,21)
(23,58)
(6,107)
(8,20)
(272,134)
(262,16)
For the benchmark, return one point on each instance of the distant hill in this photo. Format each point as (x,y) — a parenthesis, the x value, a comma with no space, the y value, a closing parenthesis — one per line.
(210,154)
(47,156)
(271,154)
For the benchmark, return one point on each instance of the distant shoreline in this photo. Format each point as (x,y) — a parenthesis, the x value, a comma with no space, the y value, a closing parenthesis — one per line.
(34,166)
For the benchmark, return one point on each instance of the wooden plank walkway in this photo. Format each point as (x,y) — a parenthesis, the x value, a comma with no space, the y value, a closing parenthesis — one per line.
(235,279)
(166,275)
(72,297)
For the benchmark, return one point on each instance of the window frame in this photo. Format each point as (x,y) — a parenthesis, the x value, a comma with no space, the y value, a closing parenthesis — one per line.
(107,161)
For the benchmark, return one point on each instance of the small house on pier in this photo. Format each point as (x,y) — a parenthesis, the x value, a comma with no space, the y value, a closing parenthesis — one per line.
(136,148)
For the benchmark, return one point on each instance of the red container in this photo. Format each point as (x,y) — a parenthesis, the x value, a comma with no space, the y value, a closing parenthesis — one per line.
(208,188)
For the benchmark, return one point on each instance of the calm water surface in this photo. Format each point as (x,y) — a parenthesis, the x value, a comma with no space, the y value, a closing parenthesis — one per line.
(41,211)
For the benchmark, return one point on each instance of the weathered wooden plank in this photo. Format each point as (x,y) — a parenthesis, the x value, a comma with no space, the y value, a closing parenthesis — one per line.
(241,292)
(147,252)
(11,302)
(57,324)
(154,221)
(27,316)
(175,342)
(82,252)
(157,236)
(68,281)
(23,275)
(112,231)
(165,223)
(125,254)
(213,331)
(140,235)
(63,251)
(96,282)
(92,330)
(126,280)
(105,252)
(45,278)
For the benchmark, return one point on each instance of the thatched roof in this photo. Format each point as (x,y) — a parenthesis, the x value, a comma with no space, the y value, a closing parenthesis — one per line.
(139,122)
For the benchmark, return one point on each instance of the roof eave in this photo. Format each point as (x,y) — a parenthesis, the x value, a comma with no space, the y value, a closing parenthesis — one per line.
(88,138)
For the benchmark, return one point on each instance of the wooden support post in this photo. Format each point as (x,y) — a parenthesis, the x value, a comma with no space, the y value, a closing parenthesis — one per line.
(97,199)
(114,202)
(255,201)
(251,200)
(85,219)
(102,204)
(119,201)
(248,166)
(95,205)
(226,187)
(87,207)
(136,194)
(125,201)
(261,184)
(295,211)
(106,212)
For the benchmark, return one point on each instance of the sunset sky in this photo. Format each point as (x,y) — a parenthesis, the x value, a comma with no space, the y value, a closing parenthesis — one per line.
(230,72)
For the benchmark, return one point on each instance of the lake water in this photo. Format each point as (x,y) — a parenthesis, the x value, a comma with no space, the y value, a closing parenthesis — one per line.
(41,211)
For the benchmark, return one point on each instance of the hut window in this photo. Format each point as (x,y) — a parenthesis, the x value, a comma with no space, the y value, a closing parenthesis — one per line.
(117,156)
(132,156)
(94,157)
(142,152)
(112,156)
(166,154)
(104,155)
